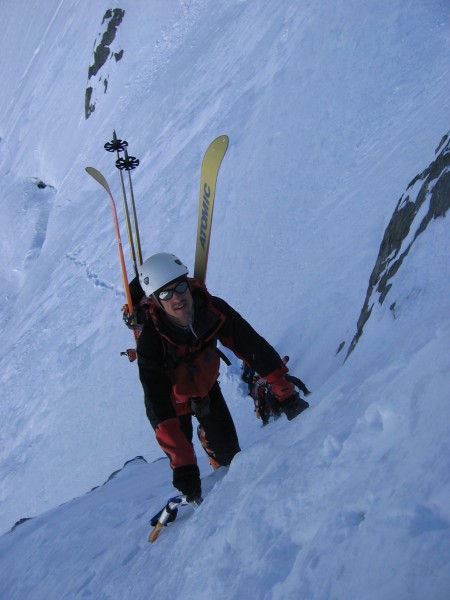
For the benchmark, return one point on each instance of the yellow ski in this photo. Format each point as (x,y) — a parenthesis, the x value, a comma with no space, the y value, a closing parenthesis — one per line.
(210,169)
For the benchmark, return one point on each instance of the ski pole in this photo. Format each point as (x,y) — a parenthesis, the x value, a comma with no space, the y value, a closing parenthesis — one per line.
(116,145)
(129,163)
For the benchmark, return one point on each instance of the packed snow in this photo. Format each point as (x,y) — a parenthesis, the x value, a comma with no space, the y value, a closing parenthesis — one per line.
(331,108)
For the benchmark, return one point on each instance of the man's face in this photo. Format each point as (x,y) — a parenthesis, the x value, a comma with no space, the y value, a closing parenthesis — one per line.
(179,308)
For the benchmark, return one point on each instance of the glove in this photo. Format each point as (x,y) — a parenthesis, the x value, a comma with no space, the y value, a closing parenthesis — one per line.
(187,480)
(293,406)
(281,386)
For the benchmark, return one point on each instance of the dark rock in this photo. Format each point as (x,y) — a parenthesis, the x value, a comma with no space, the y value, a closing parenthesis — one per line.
(432,185)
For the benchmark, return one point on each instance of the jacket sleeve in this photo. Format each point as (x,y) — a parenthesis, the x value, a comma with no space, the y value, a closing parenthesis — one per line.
(155,381)
(157,397)
(240,337)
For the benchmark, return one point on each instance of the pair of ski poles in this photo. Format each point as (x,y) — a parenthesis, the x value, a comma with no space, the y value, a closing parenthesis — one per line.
(128,163)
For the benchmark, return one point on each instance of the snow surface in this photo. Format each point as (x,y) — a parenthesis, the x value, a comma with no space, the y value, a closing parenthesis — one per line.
(331,108)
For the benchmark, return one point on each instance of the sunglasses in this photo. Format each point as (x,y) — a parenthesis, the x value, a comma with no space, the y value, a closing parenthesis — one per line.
(180,288)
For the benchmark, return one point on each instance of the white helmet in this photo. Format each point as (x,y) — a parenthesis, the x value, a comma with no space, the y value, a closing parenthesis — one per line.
(159,270)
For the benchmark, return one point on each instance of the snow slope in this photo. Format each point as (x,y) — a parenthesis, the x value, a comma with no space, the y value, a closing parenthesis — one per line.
(331,108)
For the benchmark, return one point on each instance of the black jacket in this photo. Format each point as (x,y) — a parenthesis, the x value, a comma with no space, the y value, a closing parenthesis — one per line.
(168,354)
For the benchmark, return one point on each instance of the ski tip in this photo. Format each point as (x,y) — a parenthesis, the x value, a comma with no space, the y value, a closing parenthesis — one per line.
(221,139)
(99,178)
(93,172)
